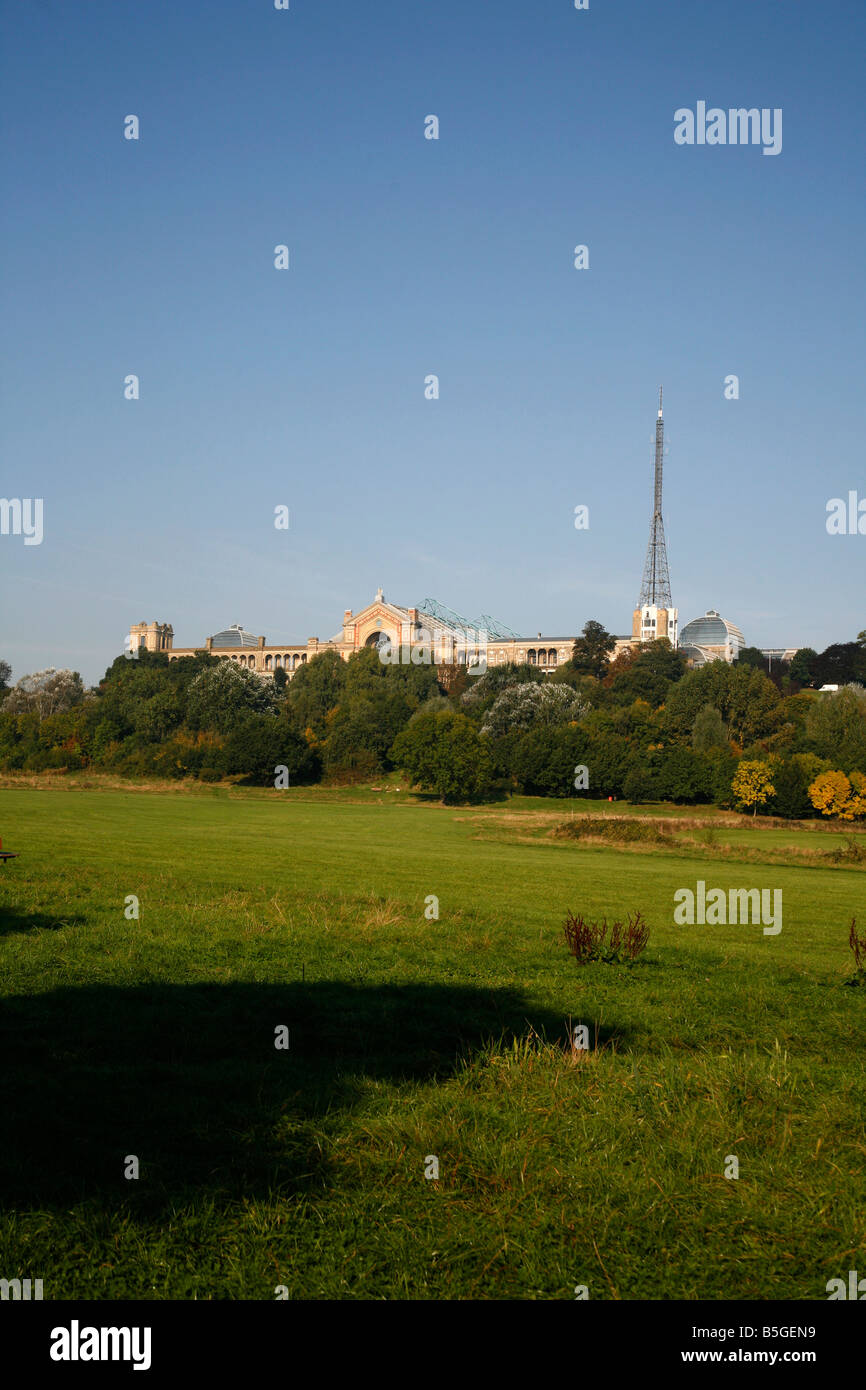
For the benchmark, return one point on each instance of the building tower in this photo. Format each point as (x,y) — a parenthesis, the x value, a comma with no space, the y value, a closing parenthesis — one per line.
(153,637)
(655,615)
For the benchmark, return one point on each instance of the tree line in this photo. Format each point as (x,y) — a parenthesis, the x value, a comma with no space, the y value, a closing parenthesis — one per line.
(642,726)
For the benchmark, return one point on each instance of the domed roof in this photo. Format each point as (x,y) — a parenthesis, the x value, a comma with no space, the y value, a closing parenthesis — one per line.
(711,631)
(235,636)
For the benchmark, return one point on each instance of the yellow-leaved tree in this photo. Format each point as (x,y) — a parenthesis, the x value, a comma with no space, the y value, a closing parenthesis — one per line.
(858,794)
(753,785)
(834,794)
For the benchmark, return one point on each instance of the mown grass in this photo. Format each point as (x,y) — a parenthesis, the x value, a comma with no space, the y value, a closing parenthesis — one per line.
(412,1037)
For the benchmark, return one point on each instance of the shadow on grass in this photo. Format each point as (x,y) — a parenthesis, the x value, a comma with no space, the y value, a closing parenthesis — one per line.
(11,920)
(188,1079)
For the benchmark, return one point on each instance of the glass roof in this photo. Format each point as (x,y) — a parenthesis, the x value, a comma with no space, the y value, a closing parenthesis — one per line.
(711,631)
(235,636)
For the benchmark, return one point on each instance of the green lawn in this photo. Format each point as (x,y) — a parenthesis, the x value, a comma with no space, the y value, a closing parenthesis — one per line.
(412,1037)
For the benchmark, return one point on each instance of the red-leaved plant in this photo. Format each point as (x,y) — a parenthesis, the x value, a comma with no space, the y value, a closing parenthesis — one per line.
(599,941)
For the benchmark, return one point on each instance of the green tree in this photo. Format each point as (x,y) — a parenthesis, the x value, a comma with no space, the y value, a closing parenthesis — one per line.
(836,727)
(543,761)
(640,785)
(752,656)
(683,775)
(801,665)
(444,753)
(792,778)
(709,730)
(316,689)
(746,700)
(261,743)
(839,664)
(589,655)
(649,675)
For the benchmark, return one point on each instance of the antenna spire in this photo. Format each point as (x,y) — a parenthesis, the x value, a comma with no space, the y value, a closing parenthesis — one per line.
(656,586)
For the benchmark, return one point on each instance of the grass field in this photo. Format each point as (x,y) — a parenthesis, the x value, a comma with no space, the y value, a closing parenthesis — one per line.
(408,1037)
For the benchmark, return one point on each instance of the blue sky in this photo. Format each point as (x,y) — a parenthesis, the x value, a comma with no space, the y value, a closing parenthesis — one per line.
(408,257)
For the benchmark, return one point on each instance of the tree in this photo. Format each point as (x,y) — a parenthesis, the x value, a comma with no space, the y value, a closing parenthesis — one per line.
(444,753)
(752,785)
(834,794)
(454,678)
(544,760)
(709,730)
(45,693)
(839,664)
(836,727)
(522,706)
(792,778)
(801,665)
(640,785)
(752,656)
(5,673)
(316,689)
(261,743)
(484,690)
(683,775)
(747,701)
(221,696)
(590,651)
(362,728)
(649,675)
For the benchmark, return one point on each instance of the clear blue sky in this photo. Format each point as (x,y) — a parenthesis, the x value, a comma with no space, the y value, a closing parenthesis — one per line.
(409,257)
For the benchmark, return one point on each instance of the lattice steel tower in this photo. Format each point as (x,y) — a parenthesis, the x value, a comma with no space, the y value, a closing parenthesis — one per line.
(656,587)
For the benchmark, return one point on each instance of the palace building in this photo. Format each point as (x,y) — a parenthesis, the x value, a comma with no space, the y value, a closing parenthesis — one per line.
(430,633)
(434,634)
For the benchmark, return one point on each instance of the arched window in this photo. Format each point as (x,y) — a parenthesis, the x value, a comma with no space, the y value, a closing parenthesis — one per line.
(531,655)
(551,657)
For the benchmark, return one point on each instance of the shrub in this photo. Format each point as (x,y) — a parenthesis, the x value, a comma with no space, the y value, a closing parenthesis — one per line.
(852,852)
(596,941)
(623,830)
